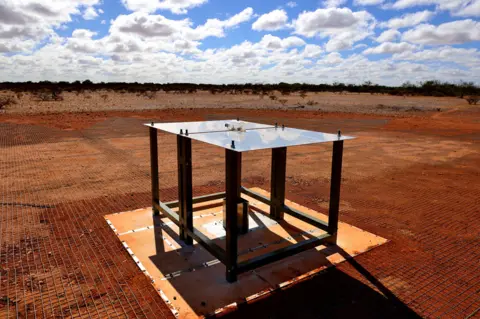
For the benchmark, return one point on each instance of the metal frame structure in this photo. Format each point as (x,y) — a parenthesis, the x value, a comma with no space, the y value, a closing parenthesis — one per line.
(228,256)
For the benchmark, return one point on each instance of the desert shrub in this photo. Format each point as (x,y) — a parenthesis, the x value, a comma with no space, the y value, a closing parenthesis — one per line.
(283,101)
(273,97)
(48,95)
(213,91)
(19,95)
(438,94)
(6,101)
(150,94)
(298,107)
(104,97)
(191,91)
(428,88)
(413,109)
(311,103)
(303,95)
(43,95)
(473,100)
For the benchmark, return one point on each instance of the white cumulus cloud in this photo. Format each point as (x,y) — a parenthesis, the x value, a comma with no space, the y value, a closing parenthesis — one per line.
(147,25)
(367,2)
(467,57)
(408,20)
(90,13)
(271,21)
(333,3)
(389,48)
(273,43)
(342,26)
(471,9)
(456,7)
(327,21)
(332,58)
(175,6)
(455,32)
(28,22)
(388,36)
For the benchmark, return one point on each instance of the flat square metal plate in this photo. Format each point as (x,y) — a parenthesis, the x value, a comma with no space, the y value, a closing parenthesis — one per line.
(241,136)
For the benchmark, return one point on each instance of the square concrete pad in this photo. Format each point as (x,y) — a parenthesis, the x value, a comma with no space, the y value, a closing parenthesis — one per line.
(192,281)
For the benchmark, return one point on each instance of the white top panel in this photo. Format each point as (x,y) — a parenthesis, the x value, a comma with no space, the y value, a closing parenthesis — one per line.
(244,136)
(207,126)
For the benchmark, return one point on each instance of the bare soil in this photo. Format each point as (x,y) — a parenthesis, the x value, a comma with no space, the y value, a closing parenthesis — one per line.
(411,177)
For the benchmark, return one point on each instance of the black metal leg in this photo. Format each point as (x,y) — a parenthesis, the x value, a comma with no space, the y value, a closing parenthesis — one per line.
(335,190)
(279,167)
(233,170)
(184,157)
(154,169)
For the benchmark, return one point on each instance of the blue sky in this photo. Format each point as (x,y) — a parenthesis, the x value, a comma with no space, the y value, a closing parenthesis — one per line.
(352,41)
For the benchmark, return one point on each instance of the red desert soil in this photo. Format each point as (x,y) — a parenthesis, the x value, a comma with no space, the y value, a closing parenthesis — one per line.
(410,177)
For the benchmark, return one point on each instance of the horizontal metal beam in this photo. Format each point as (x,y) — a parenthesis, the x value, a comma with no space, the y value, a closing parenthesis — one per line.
(288,210)
(256,196)
(167,211)
(305,217)
(203,240)
(199,199)
(282,253)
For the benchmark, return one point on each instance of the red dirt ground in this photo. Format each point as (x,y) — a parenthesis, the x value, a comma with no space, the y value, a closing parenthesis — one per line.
(411,178)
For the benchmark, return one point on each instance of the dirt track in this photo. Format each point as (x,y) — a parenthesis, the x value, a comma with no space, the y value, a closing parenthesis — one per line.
(411,178)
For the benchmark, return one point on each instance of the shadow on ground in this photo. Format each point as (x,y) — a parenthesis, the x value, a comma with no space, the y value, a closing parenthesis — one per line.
(331,294)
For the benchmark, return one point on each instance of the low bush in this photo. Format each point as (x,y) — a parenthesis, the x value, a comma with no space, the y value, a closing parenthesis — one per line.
(48,95)
(473,100)
(150,94)
(6,101)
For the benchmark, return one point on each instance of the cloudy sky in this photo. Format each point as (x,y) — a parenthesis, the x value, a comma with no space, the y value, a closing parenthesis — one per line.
(224,41)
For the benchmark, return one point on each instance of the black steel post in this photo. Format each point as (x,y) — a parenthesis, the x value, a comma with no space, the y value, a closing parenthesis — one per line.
(233,170)
(335,183)
(185,194)
(277,187)
(154,169)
